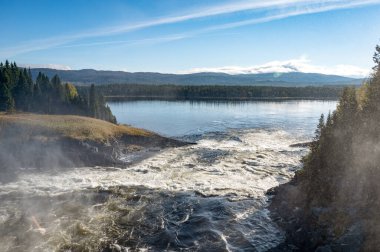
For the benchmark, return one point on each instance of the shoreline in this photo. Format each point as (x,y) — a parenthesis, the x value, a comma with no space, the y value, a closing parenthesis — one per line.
(214,99)
(63,142)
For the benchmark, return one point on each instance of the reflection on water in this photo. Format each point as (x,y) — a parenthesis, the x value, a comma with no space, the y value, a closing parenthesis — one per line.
(178,118)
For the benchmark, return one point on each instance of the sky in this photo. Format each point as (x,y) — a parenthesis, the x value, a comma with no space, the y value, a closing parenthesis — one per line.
(178,36)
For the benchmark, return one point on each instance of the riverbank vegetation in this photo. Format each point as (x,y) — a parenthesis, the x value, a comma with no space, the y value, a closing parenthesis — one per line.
(18,92)
(49,142)
(124,91)
(333,202)
(67,126)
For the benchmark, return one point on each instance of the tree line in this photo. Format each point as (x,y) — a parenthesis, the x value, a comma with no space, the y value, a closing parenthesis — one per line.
(217,92)
(342,171)
(18,92)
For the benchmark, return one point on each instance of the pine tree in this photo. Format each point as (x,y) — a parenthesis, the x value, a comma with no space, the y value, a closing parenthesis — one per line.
(6,99)
(376,58)
(93,101)
(29,80)
(37,87)
(21,92)
(58,89)
(320,127)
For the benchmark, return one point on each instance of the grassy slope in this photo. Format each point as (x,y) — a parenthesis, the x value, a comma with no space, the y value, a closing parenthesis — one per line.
(75,127)
(63,141)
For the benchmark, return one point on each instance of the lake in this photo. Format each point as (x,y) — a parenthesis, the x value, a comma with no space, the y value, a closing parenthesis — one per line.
(179,118)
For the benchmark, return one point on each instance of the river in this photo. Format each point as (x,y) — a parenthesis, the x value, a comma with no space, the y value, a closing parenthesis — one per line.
(204,197)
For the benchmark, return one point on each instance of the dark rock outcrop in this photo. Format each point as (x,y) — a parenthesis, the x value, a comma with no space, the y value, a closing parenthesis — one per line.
(320,228)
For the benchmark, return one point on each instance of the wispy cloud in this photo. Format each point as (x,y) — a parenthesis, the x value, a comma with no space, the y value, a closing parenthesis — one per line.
(130,42)
(322,6)
(301,64)
(277,9)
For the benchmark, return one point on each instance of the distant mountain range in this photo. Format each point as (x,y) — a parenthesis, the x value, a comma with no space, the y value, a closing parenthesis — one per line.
(90,76)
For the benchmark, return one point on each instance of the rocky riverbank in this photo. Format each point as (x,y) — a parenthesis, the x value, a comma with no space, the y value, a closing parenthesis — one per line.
(323,228)
(33,141)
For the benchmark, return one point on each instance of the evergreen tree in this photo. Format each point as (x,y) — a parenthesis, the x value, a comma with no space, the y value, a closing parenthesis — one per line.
(320,127)
(29,81)
(37,88)
(92,101)
(21,92)
(58,89)
(376,58)
(6,99)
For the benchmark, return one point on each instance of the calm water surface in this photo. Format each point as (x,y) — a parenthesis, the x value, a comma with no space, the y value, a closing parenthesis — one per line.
(178,118)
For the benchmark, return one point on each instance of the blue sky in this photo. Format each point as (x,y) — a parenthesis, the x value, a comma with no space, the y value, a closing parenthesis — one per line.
(178,36)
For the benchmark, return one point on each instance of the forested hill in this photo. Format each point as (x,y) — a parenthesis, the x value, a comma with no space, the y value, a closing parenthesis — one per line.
(90,76)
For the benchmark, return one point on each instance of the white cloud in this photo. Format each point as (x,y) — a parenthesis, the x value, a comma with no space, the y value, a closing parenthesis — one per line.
(51,66)
(294,65)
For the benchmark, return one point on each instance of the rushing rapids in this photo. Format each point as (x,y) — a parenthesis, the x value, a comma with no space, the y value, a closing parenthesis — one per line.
(208,196)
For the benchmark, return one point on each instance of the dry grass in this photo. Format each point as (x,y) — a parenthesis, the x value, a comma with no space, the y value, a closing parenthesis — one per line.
(76,127)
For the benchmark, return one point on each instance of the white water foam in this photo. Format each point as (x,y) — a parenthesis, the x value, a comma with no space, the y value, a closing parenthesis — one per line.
(245,165)
(236,168)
